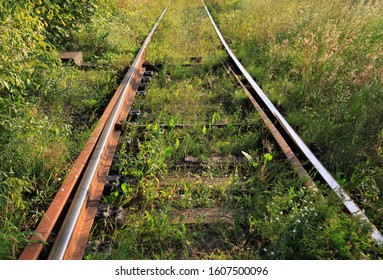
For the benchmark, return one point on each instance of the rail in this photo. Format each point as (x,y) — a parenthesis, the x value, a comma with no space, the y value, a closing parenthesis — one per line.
(84,204)
(84,184)
(294,137)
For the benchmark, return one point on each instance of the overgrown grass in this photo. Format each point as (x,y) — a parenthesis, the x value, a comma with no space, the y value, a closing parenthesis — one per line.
(116,37)
(322,61)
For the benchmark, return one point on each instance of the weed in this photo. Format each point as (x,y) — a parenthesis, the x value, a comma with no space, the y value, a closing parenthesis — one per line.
(320,61)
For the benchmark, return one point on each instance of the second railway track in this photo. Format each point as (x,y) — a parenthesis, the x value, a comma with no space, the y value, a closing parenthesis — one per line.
(196,173)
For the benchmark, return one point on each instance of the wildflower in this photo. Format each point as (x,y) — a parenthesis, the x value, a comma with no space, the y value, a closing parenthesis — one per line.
(299,221)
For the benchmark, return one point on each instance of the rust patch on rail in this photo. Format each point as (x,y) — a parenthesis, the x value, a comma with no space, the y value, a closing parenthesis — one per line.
(44,231)
(48,222)
(80,236)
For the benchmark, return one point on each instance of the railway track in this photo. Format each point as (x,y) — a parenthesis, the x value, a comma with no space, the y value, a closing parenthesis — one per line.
(64,230)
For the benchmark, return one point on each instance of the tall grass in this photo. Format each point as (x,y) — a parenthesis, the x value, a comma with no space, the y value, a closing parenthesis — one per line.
(322,60)
(115,37)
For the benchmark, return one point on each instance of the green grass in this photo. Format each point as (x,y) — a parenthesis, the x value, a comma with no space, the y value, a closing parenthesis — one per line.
(322,62)
(278,218)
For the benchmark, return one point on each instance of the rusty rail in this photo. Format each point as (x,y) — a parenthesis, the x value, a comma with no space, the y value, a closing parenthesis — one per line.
(91,167)
(86,180)
(294,138)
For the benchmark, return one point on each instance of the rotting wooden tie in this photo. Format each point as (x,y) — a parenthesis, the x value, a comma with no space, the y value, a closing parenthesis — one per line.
(214,182)
(204,216)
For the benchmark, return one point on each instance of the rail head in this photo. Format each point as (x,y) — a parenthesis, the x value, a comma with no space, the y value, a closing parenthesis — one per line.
(61,244)
(351,206)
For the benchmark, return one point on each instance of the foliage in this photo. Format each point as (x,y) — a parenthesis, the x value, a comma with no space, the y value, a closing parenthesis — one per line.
(153,234)
(116,43)
(24,49)
(29,31)
(322,62)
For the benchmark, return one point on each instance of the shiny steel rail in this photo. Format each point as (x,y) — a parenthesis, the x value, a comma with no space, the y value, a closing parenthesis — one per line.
(351,206)
(61,244)
(92,166)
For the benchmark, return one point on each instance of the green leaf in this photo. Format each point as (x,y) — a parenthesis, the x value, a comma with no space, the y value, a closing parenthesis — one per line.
(171,123)
(204,130)
(168,152)
(5,84)
(113,197)
(93,102)
(124,187)
(177,143)
(268,157)
(215,117)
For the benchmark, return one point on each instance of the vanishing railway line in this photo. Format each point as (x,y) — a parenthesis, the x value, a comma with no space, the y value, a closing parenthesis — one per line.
(64,230)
